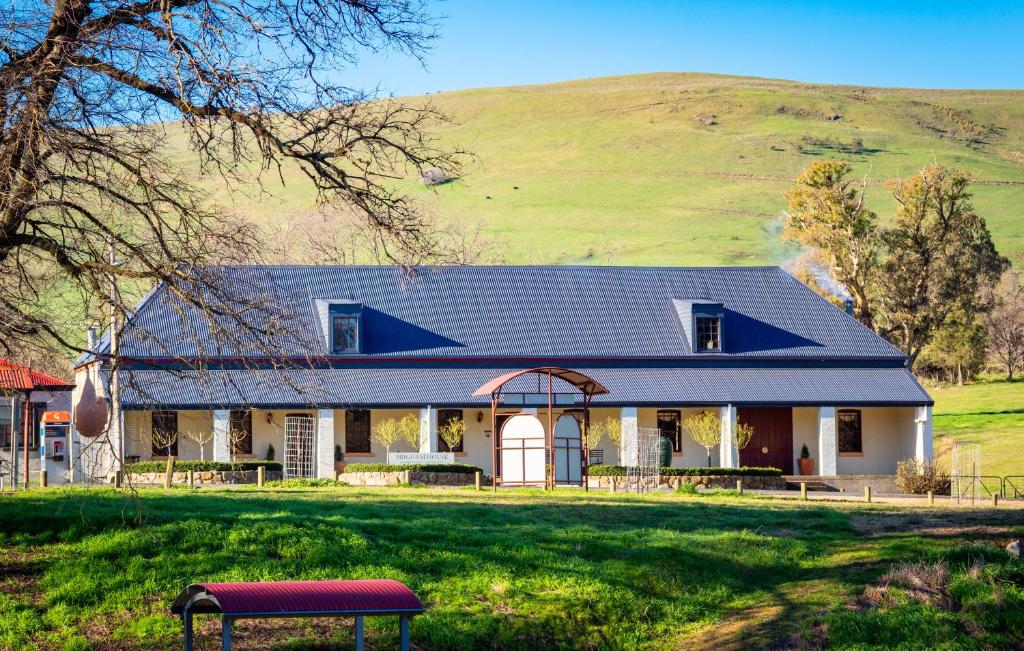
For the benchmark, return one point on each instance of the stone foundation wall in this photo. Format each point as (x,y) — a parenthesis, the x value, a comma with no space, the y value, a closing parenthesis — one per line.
(406,477)
(205,477)
(712,481)
(880,484)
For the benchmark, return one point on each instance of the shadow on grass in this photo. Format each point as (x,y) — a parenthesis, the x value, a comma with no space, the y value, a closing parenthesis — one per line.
(496,571)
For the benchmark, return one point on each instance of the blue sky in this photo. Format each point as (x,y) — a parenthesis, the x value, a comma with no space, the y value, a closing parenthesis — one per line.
(935,44)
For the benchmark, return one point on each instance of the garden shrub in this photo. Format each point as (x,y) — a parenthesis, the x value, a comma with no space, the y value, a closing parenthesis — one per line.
(918,477)
(299,482)
(200,466)
(600,470)
(420,467)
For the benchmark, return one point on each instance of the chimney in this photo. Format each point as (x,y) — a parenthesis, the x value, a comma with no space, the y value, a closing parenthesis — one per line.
(848,303)
(92,338)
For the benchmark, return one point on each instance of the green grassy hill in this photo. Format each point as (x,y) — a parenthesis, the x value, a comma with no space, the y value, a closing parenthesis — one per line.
(691,169)
(990,413)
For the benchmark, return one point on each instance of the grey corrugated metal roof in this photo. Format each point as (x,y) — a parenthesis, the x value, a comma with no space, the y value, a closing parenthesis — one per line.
(522,312)
(387,386)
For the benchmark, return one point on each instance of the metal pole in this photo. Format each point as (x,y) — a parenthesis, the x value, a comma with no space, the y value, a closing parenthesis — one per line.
(551,436)
(403,626)
(186,620)
(225,633)
(14,441)
(26,428)
(494,443)
(360,640)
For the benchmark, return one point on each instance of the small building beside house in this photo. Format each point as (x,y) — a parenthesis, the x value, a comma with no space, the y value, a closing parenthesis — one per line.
(368,343)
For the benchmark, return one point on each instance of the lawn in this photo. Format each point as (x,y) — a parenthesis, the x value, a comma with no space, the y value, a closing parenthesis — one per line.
(989,412)
(518,569)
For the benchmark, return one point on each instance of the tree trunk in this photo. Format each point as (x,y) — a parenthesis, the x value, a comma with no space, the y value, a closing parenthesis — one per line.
(959,374)
(169,474)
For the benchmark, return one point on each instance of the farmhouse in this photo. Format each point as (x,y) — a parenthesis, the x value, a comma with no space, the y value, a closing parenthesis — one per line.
(369,343)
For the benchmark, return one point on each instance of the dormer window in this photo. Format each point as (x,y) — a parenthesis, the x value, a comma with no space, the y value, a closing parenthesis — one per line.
(344,334)
(702,322)
(709,333)
(341,325)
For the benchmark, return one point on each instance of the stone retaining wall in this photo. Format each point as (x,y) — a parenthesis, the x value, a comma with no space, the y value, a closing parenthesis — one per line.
(880,484)
(204,477)
(712,481)
(407,477)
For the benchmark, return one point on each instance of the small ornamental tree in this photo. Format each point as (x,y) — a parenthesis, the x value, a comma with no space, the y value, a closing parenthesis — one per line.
(409,430)
(705,429)
(744,434)
(452,432)
(201,438)
(610,428)
(387,432)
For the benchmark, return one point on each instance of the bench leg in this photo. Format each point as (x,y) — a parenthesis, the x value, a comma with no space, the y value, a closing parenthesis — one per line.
(186,620)
(403,627)
(359,633)
(225,633)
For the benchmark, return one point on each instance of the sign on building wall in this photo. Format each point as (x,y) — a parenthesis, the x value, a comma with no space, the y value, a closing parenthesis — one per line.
(410,458)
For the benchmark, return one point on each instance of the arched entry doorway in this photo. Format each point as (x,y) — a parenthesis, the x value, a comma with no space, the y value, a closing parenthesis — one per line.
(523,451)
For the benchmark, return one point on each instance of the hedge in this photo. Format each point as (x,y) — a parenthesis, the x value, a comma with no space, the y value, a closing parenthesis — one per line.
(460,468)
(200,466)
(620,471)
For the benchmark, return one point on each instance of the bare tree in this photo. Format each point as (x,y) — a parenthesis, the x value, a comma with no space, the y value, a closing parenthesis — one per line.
(1004,325)
(201,437)
(92,93)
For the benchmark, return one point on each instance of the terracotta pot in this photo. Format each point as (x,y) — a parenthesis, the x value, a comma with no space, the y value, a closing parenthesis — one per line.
(806,466)
(339,466)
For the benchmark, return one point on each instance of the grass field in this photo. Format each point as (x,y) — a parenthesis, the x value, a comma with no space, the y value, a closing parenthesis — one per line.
(989,412)
(515,570)
(631,169)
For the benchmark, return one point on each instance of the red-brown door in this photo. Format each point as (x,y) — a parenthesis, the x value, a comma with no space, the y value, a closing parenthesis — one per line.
(772,443)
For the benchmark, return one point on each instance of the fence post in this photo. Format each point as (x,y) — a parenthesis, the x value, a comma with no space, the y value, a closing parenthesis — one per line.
(931,498)
(739,486)
(476,479)
(867,494)
(42,478)
(261,476)
(191,478)
(117,479)
(995,499)
(611,483)
(803,490)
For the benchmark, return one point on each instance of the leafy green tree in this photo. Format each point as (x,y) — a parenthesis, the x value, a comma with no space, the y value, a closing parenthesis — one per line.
(827,215)
(908,279)
(939,254)
(958,348)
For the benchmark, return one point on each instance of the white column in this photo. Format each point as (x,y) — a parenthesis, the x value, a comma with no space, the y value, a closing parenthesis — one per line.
(828,446)
(325,443)
(728,454)
(630,445)
(428,429)
(221,442)
(923,433)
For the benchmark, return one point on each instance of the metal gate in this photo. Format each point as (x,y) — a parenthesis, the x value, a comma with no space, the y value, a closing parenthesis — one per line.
(299,445)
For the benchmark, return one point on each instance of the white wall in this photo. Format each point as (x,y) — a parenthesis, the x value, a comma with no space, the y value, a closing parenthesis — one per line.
(887,435)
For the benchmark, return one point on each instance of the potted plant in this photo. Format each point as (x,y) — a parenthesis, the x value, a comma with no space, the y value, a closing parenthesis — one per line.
(339,459)
(806,462)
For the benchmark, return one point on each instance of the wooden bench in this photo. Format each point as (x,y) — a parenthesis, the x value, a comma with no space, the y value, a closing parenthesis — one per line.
(358,599)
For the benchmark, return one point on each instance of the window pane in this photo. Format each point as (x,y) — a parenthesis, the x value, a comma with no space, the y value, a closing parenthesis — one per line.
(668,424)
(708,333)
(165,433)
(849,430)
(344,335)
(445,416)
(357,431)
(241,431)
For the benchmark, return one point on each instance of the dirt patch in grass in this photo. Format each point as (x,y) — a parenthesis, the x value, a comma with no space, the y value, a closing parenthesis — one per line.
(20,570)
(925,583)
(946,523)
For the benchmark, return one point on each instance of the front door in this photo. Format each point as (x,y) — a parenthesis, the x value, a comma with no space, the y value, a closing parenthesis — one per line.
(772,443)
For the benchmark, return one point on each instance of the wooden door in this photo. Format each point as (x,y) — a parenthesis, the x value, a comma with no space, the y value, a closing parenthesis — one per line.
(772,444)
